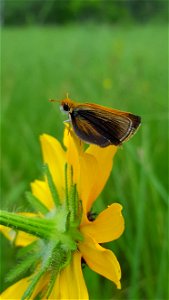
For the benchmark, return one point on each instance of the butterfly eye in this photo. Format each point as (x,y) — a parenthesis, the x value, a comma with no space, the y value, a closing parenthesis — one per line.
(66,107)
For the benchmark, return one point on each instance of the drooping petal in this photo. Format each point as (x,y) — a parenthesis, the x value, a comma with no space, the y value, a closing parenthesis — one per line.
(54,156)
(9,233)
(24,239)
(40,190)
(16,291)
(87,180)
(70,283)
(108,226)
(104,157)
(101,260)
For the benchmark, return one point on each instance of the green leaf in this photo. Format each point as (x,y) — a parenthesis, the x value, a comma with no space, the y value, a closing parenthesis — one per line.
(23,266)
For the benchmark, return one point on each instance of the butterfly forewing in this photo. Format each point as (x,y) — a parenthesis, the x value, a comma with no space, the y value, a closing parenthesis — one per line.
(103,127)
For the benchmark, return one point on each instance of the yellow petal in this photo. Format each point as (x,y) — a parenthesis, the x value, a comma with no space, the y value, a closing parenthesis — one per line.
(40,190)
(104,157)
(87,180)
(70,283)
(16,291)
(69,134)
(54,156)
(95,167)
(24,239)
(108,226)
(9,233)
(101,260)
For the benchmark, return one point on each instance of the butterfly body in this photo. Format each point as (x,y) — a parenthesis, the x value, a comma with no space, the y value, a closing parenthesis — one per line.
(96,124)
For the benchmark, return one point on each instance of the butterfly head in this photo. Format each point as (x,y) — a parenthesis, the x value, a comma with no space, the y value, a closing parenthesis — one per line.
(67,105)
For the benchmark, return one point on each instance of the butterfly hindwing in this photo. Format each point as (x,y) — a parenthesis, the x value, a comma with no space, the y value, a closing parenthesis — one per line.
(86,132)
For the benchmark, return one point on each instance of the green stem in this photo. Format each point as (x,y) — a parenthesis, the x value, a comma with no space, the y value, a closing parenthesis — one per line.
(36,226)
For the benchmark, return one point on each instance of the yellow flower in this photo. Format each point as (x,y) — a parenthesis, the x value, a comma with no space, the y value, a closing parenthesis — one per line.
(90,170)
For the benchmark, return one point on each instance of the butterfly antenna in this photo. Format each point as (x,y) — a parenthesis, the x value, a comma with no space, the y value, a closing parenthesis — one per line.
(53,100)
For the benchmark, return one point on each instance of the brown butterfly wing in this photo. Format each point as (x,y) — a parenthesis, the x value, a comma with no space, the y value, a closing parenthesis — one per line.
(103,127)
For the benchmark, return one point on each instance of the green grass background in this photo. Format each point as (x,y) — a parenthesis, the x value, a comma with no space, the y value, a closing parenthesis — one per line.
(41,63)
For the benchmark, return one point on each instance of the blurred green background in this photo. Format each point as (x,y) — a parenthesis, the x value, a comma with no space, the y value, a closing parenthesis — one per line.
(106,52)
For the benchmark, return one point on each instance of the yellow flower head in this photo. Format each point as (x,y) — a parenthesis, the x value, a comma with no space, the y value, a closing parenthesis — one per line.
(78,177)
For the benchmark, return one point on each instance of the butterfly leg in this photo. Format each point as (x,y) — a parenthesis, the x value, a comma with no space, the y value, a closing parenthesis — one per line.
(67,121)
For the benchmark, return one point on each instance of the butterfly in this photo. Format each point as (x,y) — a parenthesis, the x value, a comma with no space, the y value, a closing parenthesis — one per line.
(100,125)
